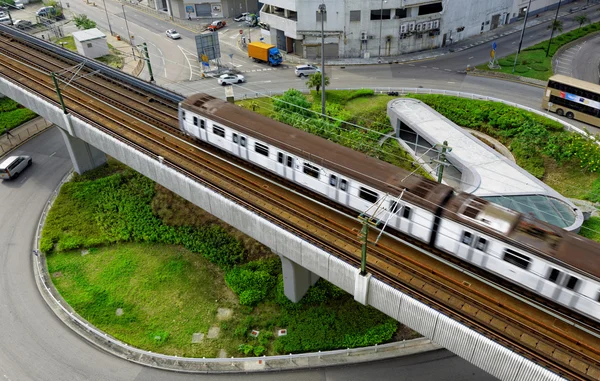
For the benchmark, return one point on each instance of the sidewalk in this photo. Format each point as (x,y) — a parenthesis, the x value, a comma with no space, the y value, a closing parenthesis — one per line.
(22,133)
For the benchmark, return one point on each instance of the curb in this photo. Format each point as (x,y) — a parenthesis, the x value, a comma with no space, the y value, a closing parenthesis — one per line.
(509,78)
(17,130)
(569,45)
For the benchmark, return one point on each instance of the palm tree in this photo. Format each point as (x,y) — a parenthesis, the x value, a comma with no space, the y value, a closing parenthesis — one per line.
(582,19)
(314,80)
(554,25)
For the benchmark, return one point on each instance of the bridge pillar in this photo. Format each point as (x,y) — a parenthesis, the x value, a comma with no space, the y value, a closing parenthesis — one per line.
(83,155)
(296,279)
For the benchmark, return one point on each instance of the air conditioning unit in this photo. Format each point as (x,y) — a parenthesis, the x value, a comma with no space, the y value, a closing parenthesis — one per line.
(364,36)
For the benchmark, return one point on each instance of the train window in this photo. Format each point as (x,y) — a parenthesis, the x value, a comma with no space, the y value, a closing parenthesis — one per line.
(195,121)
(516,259)
(280,157)
(572,283)
(235,138)
(553,275)
(183,115)
(367,194)
(343,185)
(219,131)
(481,244)
(243,141)
(467,238)
(290,161)
(598,297)
(333,180)
(311,170)
(406,212)
(261,149)
(394,207)
(202,124)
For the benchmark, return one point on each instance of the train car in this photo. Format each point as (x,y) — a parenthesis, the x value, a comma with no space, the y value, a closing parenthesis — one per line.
(549,261)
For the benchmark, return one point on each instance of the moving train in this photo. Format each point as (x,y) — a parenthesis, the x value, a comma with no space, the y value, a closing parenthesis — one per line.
(542,258)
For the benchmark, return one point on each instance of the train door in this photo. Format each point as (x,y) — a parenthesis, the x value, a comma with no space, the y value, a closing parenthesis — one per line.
(405,220)
(343,194)
(243,149)
(235,147)
(332,189)
(289,171)
(280,166)
(200,127)
(464,246)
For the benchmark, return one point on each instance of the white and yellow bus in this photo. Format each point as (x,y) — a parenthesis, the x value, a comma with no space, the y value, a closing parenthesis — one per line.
(573,98)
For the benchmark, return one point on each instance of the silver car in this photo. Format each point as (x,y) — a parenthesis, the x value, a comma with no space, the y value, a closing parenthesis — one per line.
(13,166)
(306,70)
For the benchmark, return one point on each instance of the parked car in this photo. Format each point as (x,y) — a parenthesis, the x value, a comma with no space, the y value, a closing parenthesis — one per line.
(306,70)
(216,25)
(13,166)
(19,4)
(241,17)
(5,20)
(228,79)
(46,12)
(172,33)
(22,24)
(263,25)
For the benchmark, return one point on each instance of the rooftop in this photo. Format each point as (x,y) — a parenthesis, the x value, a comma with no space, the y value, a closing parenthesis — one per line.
(88,35)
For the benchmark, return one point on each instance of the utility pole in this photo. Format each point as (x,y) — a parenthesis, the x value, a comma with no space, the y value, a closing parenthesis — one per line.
(322,10)
(128,34)
(148,62)
(107,19)
(552,27)
(522,33)
(60,98)
(380,27)
(442,161)
(249,40)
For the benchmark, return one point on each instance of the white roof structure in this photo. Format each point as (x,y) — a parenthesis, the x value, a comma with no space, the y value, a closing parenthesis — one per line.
(477,168)
(88,35)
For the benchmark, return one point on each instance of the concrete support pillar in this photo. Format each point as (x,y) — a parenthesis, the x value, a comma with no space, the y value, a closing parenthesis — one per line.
(83,155)
(296,279)
(361,287)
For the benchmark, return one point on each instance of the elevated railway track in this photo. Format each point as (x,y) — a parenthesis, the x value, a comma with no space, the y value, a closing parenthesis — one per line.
(149,122)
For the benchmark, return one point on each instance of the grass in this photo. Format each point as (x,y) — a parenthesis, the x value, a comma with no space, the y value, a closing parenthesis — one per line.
(591,229)
(569,179)
(532,62)
(114,59)
(13,114)
(69,43)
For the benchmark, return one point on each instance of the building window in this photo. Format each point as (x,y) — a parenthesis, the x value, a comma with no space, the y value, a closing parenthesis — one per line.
(516,259)
(311,170)
(401,13)
(430,8)
(319,16)
(354,16)
(381,14)
(406,212)
(481,244)
(261,149)
(89,45)
(333,180)
(235,138)
(290,161)
(219,131)
(195,121)
(367,194)
(280,157)
(343,185)
(572,283)
(553,275)
(467,238)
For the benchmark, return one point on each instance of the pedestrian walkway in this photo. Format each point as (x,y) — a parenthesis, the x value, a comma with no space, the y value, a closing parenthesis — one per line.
(18,135)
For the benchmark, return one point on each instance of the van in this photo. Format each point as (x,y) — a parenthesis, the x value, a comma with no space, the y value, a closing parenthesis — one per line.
(5,20)
(22,24)
(46,12)
(306,70)
(19,4)
(13,166)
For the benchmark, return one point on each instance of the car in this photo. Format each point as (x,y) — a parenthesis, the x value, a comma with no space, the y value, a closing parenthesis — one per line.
(241,17)
(263,25)
(5,20)
(13,166)
(228,79)
(46,12)
(19,4)
(172,33)
(216,25)
(306,70)
(22,24)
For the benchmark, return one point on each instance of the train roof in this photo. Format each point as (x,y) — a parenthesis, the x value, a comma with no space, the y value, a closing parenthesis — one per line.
(322,152)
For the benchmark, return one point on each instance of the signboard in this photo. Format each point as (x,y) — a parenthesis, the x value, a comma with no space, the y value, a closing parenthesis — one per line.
(207,44)
(581,100)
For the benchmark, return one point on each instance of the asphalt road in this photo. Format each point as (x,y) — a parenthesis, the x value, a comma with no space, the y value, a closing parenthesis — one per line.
(35,345)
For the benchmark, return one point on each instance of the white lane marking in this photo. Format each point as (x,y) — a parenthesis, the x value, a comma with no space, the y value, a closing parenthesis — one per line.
(468,58)
(54,153)
(448,82)
(183,51)
(162,57)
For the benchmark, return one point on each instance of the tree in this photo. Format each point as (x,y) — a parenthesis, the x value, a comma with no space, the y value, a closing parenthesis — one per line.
(314,80)
(582,19)
(83,22)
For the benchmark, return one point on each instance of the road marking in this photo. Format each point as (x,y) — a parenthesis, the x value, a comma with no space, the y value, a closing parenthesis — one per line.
(162,57)
(471,57)
(52,154)
(436,68)
(451,82)
(188,61)
(444,69)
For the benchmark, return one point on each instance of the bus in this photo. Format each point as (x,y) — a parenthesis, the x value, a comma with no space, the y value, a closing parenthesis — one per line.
(573,98)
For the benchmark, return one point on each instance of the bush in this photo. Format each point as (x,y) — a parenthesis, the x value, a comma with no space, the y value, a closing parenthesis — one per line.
(253,281)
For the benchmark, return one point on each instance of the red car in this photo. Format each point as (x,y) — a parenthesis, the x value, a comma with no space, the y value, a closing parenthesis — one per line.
(216,25)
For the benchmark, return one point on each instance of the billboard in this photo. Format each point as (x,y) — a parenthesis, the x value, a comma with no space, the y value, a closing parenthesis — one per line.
(207,46)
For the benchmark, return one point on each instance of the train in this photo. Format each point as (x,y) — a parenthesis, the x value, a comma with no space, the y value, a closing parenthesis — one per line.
(541,258)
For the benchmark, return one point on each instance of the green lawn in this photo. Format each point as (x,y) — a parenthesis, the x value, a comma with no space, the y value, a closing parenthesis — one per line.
(13,114)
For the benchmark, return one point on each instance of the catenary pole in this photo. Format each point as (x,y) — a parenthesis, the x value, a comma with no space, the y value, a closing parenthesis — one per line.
(322,9)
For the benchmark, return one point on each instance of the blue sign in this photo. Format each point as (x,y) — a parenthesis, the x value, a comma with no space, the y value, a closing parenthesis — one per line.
(494,46)
(205,64)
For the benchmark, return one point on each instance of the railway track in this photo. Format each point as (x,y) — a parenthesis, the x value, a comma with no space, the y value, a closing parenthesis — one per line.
(558,346)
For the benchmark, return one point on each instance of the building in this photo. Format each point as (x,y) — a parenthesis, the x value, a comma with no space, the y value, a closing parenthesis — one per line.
(91,43)
(216,9)
(373,28)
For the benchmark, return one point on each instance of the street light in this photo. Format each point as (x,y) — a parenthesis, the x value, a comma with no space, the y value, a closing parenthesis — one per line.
(552,27)
(246,21)
(128,34)
(380,25)
(522,33)
(107,19)
(322,10)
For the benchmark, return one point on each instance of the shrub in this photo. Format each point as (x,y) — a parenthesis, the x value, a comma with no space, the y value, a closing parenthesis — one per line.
(259,350)
(252,281)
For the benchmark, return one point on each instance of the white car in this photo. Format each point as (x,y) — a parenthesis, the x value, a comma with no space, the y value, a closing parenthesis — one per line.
(172,33)
(5,20)
(228,79)
(306,70)
(19,4)
(241,17)
(22,24)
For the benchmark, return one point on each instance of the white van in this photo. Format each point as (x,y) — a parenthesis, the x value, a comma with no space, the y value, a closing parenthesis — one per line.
(5,20)
(13,166)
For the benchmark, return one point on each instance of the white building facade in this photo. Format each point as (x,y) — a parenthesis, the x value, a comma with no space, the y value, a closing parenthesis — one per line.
(380,28)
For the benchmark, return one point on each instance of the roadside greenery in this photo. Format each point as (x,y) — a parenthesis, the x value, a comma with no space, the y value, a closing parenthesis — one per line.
(83,22)
(141,280)
(532,61)
(13,114)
